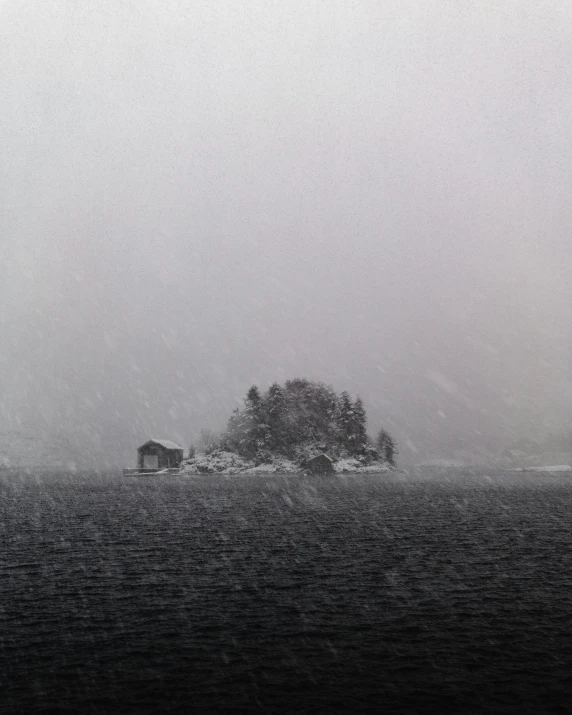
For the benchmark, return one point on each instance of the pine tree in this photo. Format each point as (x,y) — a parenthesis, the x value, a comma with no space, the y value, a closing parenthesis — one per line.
(359,426)
(258,437)
(299,418)
(344,419)
(237,437)
(274,408)
(253,397)
(387,446)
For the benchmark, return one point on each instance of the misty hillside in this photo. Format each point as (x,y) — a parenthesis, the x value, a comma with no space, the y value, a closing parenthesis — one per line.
(27,448)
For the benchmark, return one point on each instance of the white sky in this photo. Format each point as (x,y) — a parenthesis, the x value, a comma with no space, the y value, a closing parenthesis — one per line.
(196,196)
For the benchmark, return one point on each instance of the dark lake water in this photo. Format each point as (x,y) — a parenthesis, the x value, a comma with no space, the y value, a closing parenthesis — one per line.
(446,592)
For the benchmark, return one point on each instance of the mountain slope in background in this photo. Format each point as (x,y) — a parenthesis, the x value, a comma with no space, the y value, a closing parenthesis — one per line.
(28,448)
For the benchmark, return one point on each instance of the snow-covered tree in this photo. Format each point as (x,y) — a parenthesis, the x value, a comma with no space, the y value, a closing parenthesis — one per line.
(359,435)
(208,441)
(301,417)
(275,408)
(387,446)
(344,420)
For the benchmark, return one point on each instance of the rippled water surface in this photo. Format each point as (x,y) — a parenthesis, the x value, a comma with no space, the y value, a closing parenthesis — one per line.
(386,593)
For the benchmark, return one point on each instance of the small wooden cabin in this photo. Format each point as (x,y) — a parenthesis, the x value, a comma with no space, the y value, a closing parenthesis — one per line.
(158,454)
(321,464)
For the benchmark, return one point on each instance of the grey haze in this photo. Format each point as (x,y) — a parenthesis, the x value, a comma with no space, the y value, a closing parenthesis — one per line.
(198,196)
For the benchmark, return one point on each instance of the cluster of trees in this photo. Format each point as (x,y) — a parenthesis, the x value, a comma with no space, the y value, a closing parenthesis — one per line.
(297,418)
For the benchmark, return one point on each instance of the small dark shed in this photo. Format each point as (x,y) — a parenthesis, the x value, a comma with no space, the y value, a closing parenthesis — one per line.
(321,464)
(159,454)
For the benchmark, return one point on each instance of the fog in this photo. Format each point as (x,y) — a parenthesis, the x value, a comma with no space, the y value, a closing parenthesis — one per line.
(199,196)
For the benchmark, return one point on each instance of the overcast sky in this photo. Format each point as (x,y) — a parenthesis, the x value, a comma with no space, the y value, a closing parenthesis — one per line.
(198,196)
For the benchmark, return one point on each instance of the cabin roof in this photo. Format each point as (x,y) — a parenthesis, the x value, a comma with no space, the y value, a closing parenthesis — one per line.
(167,443)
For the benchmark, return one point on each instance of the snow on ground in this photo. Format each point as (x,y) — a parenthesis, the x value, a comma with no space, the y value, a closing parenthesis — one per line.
(554,468)
(444,463)
(343,466)
(278,466)
(220,462)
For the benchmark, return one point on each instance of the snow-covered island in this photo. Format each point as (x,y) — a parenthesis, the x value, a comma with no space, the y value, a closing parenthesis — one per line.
(302,426)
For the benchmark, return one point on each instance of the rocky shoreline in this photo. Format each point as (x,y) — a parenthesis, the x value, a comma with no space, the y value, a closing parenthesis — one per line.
(225,462)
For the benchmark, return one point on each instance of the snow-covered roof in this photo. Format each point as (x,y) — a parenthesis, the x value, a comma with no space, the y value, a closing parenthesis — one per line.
(167,443)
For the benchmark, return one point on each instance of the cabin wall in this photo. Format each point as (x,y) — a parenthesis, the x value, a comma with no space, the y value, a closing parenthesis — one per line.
(166,458)
(155,450)
(320,465)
